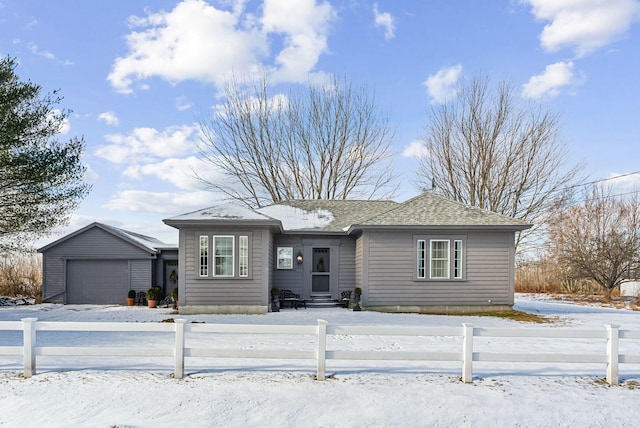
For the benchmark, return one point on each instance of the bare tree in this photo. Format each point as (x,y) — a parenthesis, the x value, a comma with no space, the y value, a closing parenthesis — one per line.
(488,149)
(599,239)
(322,142)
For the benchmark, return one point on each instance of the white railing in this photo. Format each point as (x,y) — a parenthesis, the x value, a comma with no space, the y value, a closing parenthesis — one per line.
(609,355)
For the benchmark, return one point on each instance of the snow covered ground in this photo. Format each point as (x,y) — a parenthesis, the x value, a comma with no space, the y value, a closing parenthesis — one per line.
(127,392)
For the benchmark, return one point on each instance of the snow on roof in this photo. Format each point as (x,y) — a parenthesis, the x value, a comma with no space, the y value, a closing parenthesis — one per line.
(147,241)
(293,218)
(224,211)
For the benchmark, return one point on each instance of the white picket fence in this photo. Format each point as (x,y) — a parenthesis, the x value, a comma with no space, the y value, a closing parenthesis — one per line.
(609,355)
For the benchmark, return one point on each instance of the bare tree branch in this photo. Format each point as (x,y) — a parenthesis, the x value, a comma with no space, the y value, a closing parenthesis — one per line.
(599,239)
(323,142)
(488,149)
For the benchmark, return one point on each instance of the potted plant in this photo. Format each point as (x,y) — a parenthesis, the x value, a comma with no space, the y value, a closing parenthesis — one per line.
(357,293)
(275,300)
(174,295)
(131,298)
(154,294)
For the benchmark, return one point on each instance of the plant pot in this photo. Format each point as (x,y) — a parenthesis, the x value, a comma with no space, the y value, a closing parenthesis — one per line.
(131,302)
(152,303)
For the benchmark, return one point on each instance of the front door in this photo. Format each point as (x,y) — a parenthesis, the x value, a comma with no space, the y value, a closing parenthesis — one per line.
(321,271)
(170,276)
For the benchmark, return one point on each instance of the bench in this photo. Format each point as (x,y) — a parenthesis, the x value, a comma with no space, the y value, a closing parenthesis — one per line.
(292,299)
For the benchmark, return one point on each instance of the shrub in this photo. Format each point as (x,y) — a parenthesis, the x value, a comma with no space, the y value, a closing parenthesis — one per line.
(275,292)
(154,293)
(132,294)
(357,290)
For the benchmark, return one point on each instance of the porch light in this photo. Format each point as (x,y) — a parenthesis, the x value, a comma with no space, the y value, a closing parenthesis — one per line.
(299,257)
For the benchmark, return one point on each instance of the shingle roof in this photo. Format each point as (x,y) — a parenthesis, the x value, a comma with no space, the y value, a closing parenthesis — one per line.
(432,210)
(338,216)
(147,243)
(322,215)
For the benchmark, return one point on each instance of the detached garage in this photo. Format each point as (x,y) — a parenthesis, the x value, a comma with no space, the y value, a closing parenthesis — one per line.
(99,264)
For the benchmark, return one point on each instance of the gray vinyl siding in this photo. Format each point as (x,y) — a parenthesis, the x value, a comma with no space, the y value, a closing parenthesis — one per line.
(298,279)
(347,265)
(391,267)
(359,261)
(53,279)
(289,279)
(220,290)
(140,275)
(93,244)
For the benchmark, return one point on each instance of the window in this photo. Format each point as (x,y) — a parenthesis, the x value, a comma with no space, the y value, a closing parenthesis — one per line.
(223,251)
(421,258)
(204,256)
(285,258)
(439,258)
(457,259)
(243,256)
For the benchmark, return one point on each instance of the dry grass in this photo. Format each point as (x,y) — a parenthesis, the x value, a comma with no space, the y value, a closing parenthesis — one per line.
(516,316)
(21,275)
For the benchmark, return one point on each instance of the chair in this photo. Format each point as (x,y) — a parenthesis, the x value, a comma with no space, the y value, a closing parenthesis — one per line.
(345,298)
(141,298)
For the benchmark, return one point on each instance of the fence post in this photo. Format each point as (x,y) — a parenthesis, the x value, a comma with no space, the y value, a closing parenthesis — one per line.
(322,350)
(28,343)
(178,371)
(467,352)
(612,354)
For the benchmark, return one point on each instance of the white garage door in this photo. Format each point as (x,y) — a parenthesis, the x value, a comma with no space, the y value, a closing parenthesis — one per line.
(98,282)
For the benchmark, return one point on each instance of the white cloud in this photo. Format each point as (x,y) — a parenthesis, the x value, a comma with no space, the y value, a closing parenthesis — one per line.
(109,118)
(161,202)
(554,77)
(625,183)
(183,103)
(179,172)
(149,145)
(442,85)
(36,51)
(65,125)
(90,176)
(583,25)
(384,20)
(305,26)
(417,149)
(200,42)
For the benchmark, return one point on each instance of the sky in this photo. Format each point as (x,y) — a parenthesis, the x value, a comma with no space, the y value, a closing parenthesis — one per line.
(139,74)
(235,392)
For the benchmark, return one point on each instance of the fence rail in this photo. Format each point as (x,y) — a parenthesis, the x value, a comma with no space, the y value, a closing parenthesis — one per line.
(609,354)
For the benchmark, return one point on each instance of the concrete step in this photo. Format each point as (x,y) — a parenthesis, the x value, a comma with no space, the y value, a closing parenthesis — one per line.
(324,301)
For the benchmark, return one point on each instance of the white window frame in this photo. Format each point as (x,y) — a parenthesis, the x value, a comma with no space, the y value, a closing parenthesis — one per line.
(433,259)
(457,258)
(421,259)
(232,256)
(203,247)
(284,258)
(243,256)
(424,261)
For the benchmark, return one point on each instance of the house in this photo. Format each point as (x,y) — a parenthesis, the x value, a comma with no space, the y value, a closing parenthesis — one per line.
(428,254)
(99,264)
